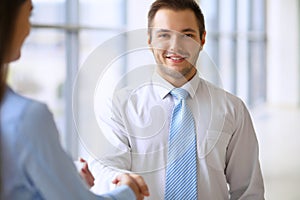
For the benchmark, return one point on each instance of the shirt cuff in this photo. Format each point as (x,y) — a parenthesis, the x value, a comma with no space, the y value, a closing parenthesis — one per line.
(123,192)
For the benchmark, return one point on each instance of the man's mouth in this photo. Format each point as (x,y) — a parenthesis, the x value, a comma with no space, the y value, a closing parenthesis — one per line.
(175,57)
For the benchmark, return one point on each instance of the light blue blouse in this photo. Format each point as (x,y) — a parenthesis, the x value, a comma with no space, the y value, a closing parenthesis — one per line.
(34,164)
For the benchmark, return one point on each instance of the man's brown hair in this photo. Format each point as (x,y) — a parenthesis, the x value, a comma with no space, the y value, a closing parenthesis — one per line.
(177,5)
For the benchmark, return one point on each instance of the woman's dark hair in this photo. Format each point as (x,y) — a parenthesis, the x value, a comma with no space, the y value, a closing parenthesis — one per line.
(177,5)
(9,10)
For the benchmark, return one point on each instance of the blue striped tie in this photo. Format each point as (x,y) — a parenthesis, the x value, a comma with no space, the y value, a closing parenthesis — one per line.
(181,172)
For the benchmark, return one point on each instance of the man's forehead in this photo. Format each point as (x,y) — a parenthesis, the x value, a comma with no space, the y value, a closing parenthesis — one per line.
(166,20)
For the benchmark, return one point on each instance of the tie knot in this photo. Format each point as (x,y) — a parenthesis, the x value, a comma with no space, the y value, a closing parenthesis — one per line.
(179,93)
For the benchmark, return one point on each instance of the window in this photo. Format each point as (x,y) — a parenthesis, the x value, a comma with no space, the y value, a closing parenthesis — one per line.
(236,42)
(63,34)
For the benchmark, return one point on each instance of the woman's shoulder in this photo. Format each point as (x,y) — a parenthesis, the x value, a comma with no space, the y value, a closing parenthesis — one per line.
(22,114)
(16,107)
(23,117)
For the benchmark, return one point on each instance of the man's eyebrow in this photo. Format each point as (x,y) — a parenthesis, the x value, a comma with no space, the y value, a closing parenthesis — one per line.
(188,30)
(162,30)
(168,30)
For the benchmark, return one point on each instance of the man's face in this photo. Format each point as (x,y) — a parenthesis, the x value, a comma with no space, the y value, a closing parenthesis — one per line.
(175,42)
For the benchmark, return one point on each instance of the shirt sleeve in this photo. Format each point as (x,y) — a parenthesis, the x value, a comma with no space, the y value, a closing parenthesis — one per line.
(120,193)
(116,157)
(47,166)
(243,171)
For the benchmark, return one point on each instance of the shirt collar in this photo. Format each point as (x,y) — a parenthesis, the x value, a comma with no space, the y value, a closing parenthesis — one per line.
(165,87)
(192,85)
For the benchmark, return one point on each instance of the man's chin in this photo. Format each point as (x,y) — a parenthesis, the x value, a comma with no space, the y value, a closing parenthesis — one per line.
(171,71)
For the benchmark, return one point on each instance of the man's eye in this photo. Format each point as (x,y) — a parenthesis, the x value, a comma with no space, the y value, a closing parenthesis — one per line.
(189,35)
(163,35)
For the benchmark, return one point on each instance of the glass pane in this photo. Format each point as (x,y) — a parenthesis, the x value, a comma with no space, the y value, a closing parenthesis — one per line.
(258,15)
(40,72)
(48,12)
(258,72)
(91,42)
(211,13)
(91,39)
(102,13)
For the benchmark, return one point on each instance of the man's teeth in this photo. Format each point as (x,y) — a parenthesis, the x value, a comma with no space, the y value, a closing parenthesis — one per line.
(176,58)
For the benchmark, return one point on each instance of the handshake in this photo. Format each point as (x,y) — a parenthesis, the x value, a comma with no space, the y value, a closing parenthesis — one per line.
(135,182)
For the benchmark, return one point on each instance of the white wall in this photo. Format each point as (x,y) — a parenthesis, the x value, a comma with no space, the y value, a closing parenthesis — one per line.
(283,67)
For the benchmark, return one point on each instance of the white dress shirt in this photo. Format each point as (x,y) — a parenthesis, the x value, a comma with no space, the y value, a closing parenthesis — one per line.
(137,129)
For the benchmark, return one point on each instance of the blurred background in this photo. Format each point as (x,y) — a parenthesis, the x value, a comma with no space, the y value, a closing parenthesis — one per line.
(255,45)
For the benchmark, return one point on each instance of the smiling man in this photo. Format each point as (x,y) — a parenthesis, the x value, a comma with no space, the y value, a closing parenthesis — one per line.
(188,138)
(170,34)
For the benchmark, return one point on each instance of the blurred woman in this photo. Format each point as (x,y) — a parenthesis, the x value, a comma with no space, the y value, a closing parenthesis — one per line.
(34,165)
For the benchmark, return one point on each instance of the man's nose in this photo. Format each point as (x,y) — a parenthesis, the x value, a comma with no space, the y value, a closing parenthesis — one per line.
(175,43)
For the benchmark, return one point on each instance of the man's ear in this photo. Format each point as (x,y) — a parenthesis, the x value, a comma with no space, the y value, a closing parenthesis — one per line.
(203,38)
(149,40)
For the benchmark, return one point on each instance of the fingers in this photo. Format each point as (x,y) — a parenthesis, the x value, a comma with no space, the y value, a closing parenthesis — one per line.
(82,160)
(125,179)
(86,174)
(141,184)
(116,181)
(135,182)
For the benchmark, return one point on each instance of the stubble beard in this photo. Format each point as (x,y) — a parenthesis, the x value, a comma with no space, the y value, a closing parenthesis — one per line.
(174,74)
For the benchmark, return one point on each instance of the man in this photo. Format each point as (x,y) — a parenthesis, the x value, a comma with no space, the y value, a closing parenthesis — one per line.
(227,165)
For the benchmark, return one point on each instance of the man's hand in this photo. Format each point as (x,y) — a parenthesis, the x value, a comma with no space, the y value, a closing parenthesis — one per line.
(86,174)
(135,182)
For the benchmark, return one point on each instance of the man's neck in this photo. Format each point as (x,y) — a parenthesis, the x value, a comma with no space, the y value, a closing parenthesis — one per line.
(179,81)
